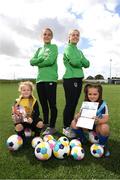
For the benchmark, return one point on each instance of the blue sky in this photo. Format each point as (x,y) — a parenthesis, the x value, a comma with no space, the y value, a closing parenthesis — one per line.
(22,21)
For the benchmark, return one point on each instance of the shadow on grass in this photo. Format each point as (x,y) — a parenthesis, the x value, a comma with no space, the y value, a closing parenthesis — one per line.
(111,163)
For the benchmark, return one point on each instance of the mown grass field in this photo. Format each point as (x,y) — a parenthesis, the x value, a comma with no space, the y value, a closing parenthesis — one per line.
(23,164)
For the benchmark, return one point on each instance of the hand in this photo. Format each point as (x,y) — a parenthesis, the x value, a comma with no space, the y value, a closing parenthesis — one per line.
(77,116)
(96,120)
(16,118)
(29,120)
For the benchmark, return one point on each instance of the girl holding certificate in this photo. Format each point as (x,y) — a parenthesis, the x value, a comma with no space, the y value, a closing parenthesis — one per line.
(93,93)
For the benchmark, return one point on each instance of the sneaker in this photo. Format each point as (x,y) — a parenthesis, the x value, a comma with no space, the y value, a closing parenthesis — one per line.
(69,132)
(106,152)
(49,131)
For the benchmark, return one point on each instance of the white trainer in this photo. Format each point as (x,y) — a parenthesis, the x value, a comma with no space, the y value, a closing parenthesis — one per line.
(49,131)
(69,132)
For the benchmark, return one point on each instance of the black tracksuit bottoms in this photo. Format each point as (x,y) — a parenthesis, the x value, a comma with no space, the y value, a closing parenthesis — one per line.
(72,88)
(47,96)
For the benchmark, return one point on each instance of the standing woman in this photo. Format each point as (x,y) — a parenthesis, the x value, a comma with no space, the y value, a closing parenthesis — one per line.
(74,61)
(46,60)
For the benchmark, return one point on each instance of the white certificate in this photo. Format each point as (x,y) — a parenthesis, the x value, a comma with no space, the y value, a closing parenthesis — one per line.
(88,111)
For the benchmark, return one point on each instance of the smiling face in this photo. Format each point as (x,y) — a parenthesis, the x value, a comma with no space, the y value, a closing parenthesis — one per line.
(26,91)
(93,94)
(74,36)
(47,36)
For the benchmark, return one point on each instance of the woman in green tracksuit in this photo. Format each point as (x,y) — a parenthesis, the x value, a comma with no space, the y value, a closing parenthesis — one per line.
(46,60)
(74,61)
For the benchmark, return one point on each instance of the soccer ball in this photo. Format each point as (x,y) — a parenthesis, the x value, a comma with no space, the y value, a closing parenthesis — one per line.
(28,132)
(93,138)
(64,139)
(61,150)
(75,142)
(77,153)
(52,143)
(36,141)
(14,142)
(43,151)
(48,137)
(97,150)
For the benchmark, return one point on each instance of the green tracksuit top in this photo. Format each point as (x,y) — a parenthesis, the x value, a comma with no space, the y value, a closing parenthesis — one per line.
(74,61)
(46,60)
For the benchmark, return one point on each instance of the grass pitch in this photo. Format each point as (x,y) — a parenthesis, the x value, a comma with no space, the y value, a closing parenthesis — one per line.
(22,164)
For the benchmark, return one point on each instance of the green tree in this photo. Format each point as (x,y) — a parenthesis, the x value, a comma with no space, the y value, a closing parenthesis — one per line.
(99,76)
(90,77)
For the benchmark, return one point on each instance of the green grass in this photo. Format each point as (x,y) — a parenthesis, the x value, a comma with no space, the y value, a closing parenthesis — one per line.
(22,164)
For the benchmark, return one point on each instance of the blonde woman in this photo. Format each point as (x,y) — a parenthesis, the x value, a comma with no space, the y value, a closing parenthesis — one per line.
(74,62)
(46,60)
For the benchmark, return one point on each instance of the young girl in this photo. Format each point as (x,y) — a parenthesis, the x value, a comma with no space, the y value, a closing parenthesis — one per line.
(74,62)
(25,111)
(46,60)
(93,93)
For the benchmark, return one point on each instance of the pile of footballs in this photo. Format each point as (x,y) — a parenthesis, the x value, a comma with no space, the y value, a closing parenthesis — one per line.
(48,146)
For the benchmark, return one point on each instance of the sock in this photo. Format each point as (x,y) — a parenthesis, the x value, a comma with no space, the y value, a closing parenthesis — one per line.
(80,134)
(21,133)
(102,139)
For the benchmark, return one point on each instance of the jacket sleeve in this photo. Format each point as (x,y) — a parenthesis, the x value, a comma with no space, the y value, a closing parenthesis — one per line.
(50,58)
(36,59)
(13,107)
(85,63)
(75,58)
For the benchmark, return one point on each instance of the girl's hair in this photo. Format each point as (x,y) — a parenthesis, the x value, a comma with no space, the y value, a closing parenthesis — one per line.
(71,31)
(48,29)
(96,86)
(26,83)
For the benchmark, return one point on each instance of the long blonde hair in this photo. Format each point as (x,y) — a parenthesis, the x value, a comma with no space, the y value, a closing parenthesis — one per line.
(26,83)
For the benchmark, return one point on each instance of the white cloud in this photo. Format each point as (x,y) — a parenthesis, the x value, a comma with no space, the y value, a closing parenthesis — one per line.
(22,21)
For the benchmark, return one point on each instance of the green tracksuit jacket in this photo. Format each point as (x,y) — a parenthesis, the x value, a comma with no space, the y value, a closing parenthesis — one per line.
(46,60)
(74,61)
